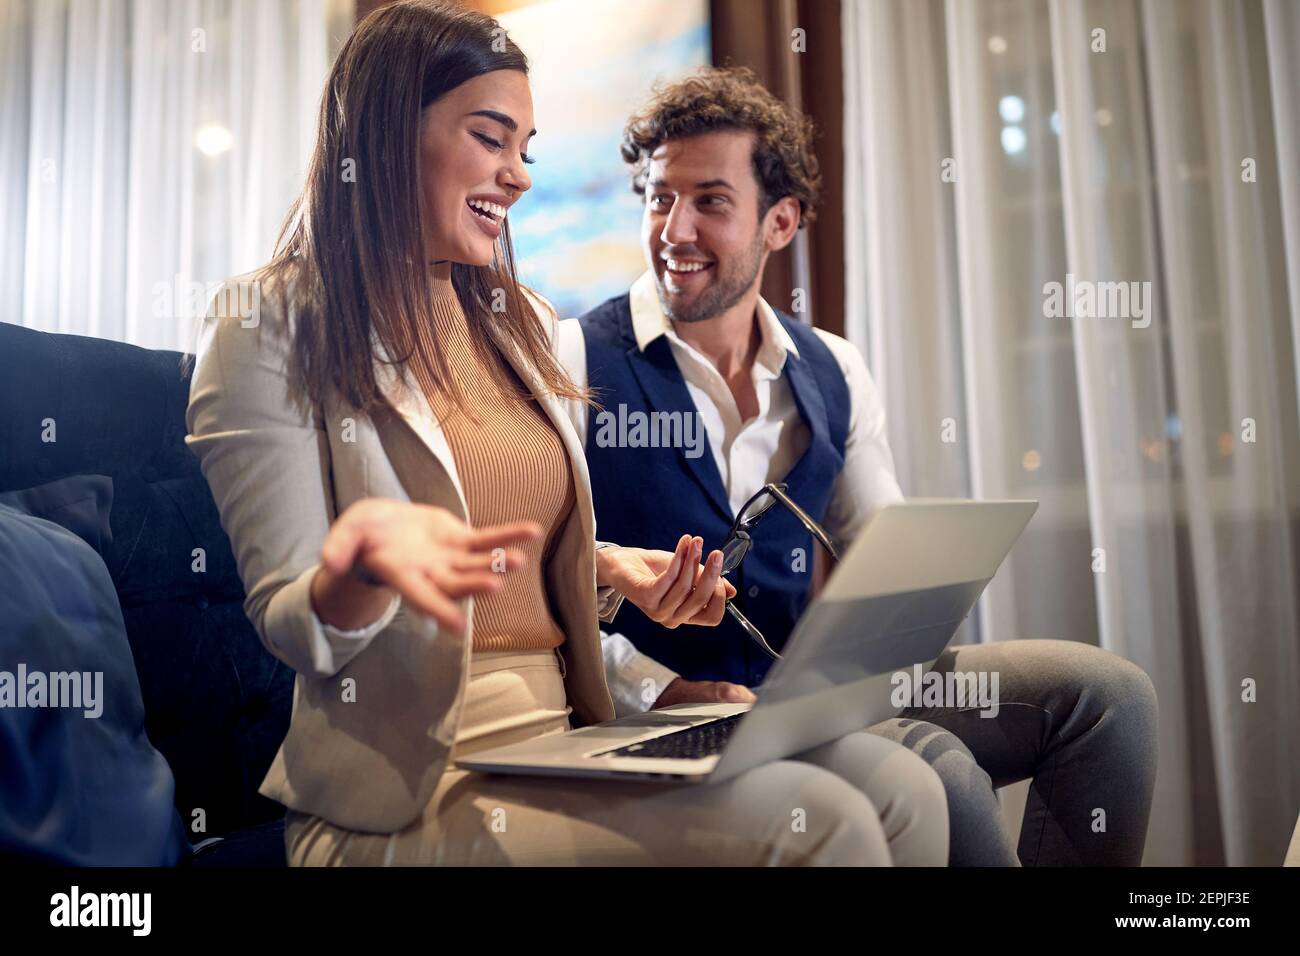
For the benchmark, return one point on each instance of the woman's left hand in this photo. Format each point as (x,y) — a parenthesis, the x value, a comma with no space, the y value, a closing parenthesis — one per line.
(671,587)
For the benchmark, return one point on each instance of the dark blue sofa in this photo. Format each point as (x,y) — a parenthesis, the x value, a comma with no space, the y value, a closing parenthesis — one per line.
(216,703)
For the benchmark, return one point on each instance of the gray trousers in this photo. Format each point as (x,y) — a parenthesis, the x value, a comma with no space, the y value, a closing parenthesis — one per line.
(860,800)
(1077,721)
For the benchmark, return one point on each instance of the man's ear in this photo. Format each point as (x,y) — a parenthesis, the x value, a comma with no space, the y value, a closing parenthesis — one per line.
(781,223)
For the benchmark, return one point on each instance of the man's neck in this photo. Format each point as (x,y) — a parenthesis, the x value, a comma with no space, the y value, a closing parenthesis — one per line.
(730,340)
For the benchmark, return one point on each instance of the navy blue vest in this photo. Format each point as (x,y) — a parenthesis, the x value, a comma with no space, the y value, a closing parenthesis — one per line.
(648,497)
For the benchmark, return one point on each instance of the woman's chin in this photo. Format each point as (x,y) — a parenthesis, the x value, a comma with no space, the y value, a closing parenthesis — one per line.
(475,257)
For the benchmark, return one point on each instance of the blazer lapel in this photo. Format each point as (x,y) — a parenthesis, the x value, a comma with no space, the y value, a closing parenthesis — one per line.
(585,680)
(554,410)
(811,405)
(410,402)
(666,391)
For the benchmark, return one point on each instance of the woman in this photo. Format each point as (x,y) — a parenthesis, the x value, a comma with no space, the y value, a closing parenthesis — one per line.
(411,516)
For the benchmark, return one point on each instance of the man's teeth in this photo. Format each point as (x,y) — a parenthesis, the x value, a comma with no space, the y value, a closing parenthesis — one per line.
(680,265)
(491,208)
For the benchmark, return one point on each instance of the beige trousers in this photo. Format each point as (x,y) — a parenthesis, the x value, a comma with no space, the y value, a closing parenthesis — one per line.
(857,801)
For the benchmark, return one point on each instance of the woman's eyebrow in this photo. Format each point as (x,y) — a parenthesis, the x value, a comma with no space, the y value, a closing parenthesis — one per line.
(501,118)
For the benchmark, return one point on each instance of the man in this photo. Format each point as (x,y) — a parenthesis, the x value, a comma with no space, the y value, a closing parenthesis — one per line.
(728,176)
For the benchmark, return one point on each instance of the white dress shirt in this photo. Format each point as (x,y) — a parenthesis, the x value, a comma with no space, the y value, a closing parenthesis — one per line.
(750,453)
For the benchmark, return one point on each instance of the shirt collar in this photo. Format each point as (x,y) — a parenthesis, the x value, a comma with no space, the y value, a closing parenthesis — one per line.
(649,322)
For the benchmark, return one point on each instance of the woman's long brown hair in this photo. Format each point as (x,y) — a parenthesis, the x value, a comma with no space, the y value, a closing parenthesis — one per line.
(353,251)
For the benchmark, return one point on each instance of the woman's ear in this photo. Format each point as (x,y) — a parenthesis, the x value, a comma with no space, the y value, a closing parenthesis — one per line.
(781,223)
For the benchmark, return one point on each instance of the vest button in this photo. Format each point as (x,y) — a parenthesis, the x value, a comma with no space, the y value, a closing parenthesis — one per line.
(753,590)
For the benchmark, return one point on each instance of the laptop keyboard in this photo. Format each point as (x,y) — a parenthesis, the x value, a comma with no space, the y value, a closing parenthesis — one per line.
(693,743)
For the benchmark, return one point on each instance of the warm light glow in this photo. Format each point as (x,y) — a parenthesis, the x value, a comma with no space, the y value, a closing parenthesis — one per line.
(1031,461)
(213,139)
(1153,449)
(997,45)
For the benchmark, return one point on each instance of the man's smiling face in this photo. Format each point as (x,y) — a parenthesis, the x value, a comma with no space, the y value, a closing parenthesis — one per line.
(700,228)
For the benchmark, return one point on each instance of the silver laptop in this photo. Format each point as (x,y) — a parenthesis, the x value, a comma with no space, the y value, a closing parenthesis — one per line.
(892,603)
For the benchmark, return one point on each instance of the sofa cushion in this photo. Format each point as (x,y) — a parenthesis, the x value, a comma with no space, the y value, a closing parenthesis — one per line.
(216,702)
(81,504)
(83,785)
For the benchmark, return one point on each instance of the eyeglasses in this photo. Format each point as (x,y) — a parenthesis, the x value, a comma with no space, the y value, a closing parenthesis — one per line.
(739,541)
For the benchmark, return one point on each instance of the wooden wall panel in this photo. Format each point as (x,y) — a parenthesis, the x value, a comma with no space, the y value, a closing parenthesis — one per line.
(758,34)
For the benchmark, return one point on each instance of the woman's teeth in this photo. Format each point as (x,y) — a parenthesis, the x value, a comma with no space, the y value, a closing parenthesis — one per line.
(488,210)
(680,265)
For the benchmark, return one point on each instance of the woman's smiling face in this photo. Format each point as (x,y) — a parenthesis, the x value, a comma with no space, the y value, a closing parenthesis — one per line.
(473,144)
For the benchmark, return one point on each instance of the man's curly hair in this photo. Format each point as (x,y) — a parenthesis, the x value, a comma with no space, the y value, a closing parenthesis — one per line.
(731,98)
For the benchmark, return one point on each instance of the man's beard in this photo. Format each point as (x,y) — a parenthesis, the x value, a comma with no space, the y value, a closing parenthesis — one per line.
(722,294)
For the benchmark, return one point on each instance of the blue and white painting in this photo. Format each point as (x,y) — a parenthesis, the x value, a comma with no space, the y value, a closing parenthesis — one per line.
(592,63)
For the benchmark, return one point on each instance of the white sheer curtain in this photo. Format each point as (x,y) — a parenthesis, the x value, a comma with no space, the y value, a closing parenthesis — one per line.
(150,148)
(993,147)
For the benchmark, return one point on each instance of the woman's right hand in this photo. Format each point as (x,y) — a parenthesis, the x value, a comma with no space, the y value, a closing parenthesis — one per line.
(424,553)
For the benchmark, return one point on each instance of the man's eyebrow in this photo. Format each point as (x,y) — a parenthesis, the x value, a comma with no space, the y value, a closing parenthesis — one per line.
(707,184)
(501,118)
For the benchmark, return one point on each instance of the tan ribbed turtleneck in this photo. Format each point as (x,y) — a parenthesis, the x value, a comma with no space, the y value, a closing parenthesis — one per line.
(512,467)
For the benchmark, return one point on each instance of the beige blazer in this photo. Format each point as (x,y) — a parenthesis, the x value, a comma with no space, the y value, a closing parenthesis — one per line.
(373,718)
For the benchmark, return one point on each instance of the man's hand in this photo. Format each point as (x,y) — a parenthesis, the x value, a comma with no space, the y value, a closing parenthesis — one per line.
(671,587)
(704,692)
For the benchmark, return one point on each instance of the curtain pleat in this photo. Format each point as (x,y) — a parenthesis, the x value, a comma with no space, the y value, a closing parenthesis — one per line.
(156,145)
(1164,447)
